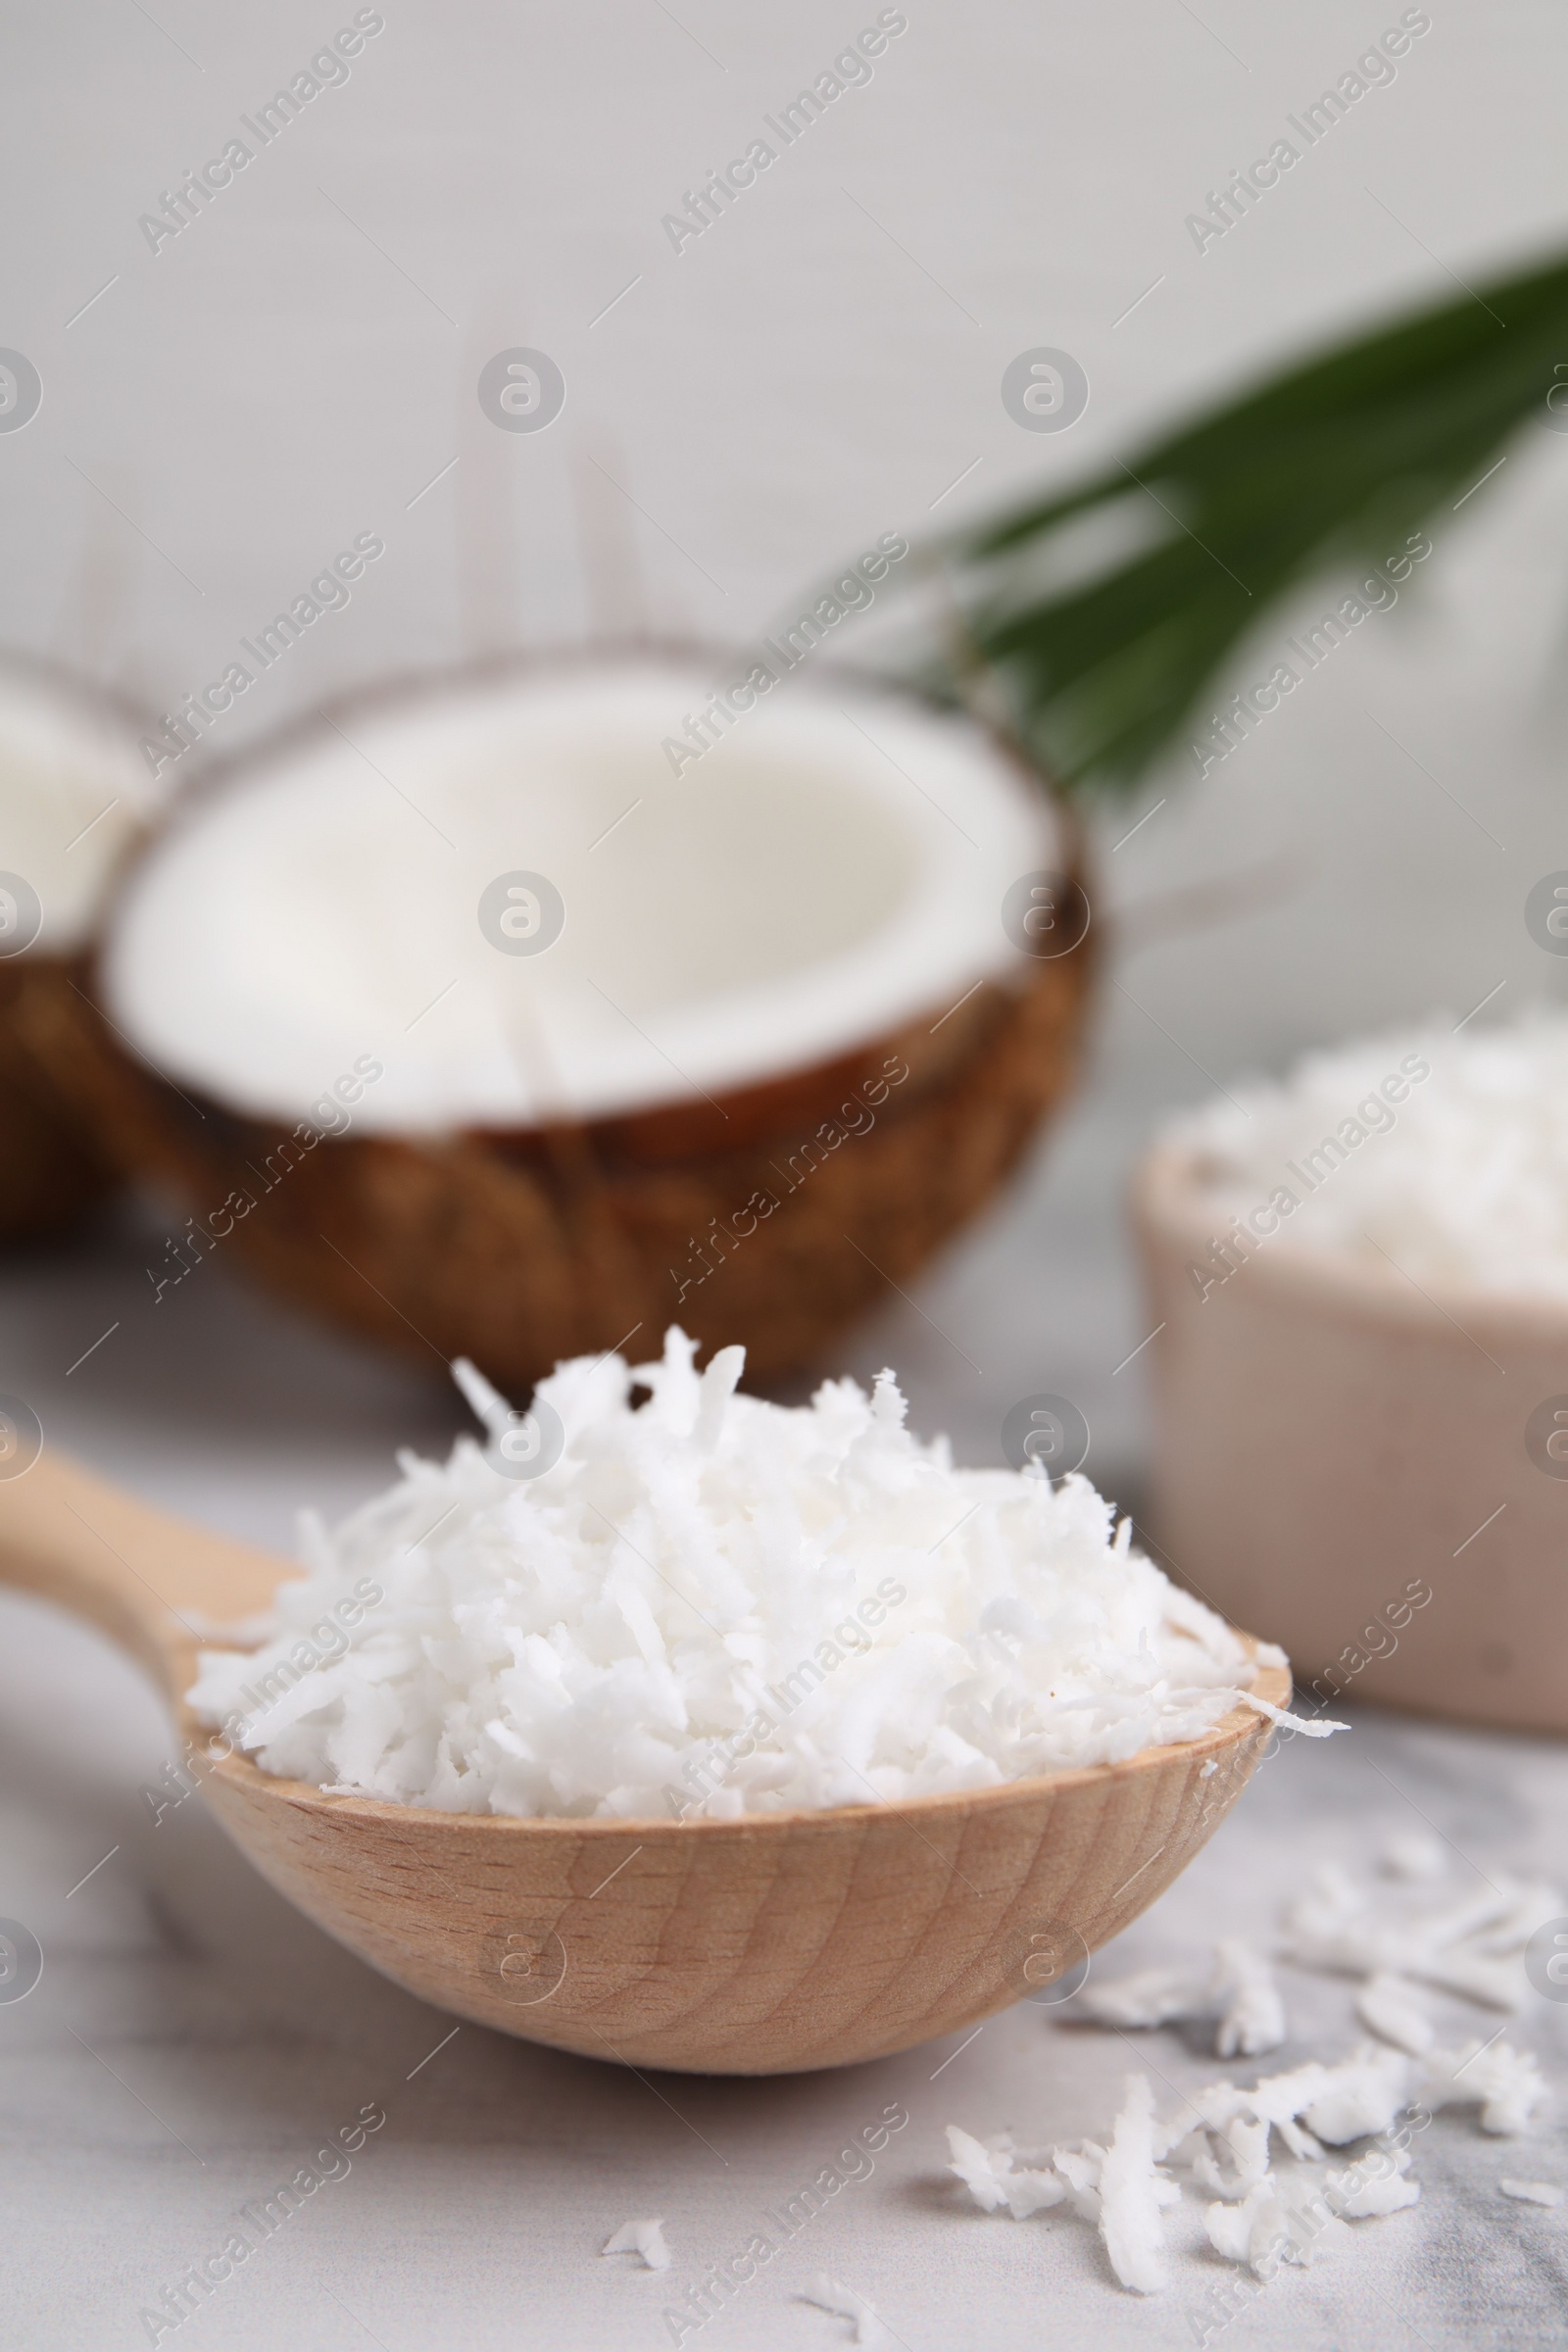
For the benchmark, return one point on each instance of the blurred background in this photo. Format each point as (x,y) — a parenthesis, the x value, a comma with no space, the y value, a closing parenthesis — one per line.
(821,366)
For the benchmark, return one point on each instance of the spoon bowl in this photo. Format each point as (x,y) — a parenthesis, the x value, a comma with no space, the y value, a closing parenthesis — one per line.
(765,1944)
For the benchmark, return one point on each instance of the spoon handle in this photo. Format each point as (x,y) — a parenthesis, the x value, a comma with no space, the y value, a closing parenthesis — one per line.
(155,1584)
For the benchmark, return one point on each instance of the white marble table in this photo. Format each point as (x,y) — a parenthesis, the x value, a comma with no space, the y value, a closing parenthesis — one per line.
(192,2040)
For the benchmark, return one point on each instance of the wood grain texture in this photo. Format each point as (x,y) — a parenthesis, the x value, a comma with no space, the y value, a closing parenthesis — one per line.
(769,1944)
(765,1945)
(152,1582)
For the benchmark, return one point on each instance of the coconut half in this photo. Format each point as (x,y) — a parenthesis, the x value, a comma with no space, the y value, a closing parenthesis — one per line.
(501,1013)
(74,795)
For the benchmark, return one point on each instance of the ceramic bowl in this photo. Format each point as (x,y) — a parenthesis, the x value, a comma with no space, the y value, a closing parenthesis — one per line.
(1372,1474)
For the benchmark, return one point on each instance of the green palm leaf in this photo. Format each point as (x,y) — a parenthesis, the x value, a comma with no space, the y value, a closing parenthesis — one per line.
(1330,463)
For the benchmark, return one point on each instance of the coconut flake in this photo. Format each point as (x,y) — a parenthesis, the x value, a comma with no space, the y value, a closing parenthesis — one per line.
(1244,2140)
(1231,2226)
(1238,1987)
(1154,1996)
(1133,2193)
(1252,2018)
(830,2294)
(1081,2167)
(1471,1948)
(1415,1856)
(1260,2217)
(1312,1727)
(1222,2137)
(1390,2006)
(1363,2093)
(1503,2082)
(715,1603)
(1375,2186)
(1281,2218)
(1314,2103)
(993,2179)
(645,2238)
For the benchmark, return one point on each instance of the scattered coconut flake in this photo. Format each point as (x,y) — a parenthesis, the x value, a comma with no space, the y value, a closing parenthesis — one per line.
(1231,2226)
(1330,1904)
(989,2175)
(830,2294)
(1238,1987)
(1281,2218)
(1286,2217)
(983,2170)
(1314,2103)
(1154,1996)
(1459,1179)
(1312,1726)
(1220,2139)
(1391,2007)
(646,2238)
(1503,2082)
(717,1603)
(1133,2193)
(1244,2138)
(1252,2017)
(1414,1856)
(1376,2184)
(1260,2217)
(1519,1909)
(1363,2093)
(1472,1947)
(1081,2168)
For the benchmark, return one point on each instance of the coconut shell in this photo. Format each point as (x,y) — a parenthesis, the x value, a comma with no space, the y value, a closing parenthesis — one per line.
(53,1166)
(56,1162)
(773,1217)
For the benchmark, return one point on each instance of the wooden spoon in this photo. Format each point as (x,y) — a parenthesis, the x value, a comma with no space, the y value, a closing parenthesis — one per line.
(756,1946)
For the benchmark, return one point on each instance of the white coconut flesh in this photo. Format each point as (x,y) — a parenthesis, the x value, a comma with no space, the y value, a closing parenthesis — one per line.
(74,791)
(829,870)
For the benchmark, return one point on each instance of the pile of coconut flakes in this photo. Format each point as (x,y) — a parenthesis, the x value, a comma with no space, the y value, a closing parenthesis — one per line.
(704,1602)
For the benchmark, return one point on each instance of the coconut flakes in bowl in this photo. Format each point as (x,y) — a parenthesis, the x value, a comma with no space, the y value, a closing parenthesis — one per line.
(1446,1150)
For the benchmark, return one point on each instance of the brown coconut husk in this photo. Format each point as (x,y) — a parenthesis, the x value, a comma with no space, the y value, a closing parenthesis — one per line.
(56,1163)
(521,1249)
(54,1167)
